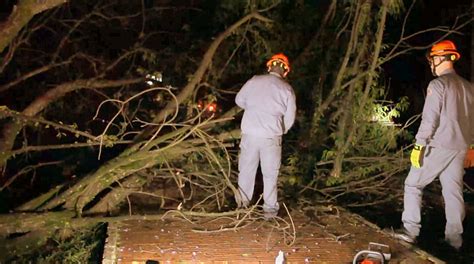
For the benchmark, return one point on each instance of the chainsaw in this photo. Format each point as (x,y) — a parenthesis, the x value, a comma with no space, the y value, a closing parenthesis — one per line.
(375,254)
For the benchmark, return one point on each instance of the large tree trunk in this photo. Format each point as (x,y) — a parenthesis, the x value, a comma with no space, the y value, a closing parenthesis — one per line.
(22,233)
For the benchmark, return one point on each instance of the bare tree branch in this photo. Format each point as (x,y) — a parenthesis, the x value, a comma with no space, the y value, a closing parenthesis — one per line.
(11,130)
(205,63)
(22,13)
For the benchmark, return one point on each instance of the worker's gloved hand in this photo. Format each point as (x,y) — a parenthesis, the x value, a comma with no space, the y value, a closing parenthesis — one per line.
(416,156)
(469,160)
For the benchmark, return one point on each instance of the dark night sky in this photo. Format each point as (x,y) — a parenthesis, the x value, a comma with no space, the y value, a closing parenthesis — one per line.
(409,75)
(6,7)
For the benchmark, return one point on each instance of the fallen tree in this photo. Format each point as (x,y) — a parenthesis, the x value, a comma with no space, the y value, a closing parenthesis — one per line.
(148,153)
(166,153)
(344,148)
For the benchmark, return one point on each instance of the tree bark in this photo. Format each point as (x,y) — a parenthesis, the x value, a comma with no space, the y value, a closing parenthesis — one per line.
(22,13)
(38,227)
(26,222)
(34,229)
(39,201)
(112,201)
(24,244)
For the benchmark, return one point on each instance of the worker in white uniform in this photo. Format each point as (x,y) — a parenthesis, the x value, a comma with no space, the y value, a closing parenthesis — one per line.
(445,134)
(269,112)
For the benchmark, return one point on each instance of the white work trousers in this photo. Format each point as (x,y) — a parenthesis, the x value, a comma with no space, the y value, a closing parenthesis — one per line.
(267,151)
(448,165)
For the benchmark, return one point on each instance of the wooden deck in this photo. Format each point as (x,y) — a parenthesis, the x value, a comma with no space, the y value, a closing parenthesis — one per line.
(328,238)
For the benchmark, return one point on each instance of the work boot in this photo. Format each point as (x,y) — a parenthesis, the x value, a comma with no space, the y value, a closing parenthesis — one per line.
(243,205)
(402,234)
(268,215)
(454,241)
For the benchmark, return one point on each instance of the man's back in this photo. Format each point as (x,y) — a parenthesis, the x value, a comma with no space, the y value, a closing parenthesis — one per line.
(269,104)
(448,115)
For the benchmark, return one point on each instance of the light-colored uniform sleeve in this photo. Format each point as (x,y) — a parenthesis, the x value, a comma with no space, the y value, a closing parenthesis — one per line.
(289,117)
(431,113)
(241,97)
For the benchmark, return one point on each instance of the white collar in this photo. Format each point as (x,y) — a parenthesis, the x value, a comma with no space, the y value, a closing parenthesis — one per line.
(276,74)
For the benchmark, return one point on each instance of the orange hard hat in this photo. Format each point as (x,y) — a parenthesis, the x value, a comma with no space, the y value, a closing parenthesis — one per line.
(443,48)
(282,59)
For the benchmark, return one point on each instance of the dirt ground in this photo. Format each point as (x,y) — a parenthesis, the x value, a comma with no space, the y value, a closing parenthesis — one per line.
(334,237)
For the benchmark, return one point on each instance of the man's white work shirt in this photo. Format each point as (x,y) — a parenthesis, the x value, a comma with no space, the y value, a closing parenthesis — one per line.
(269,105)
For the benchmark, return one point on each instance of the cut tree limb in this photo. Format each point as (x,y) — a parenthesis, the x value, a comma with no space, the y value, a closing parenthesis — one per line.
(28,222)
(37,202)
(112,200)
(84,191)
